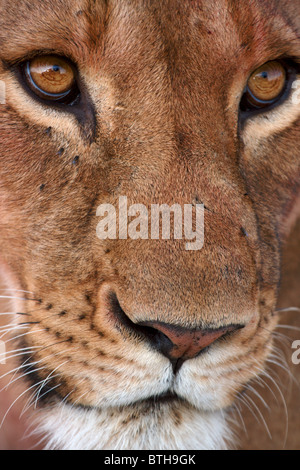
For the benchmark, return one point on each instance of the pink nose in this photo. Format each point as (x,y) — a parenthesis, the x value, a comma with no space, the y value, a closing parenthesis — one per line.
(187,344)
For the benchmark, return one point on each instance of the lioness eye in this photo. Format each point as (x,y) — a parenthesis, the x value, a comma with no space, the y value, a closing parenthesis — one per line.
(51,78)
(265,86)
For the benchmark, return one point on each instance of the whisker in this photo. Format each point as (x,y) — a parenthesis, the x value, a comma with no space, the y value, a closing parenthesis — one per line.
(288,327)
(269,377)
(290,309)
(260,415)
(12,381)
(20,396)
(20,350)
(275,360)
(7,328)
(252,389)
(243,400)
(29,402)
(47,379)
(285,409)
(26,364)
(264,384)
(12,356)
(6,332)
(16,326)
(13,313)
(45,393)
(67,396)
(15,371)
(16,290)
(31,311)
(15,338)
(17,298)
(80,397)
(236,406)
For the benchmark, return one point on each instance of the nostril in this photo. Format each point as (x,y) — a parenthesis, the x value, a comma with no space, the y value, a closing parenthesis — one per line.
(125,323)
(157,338)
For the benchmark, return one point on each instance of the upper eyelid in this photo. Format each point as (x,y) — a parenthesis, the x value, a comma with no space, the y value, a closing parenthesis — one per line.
(63,54)
(10,64)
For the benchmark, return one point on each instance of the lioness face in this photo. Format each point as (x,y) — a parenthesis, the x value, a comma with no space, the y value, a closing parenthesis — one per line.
(139,340)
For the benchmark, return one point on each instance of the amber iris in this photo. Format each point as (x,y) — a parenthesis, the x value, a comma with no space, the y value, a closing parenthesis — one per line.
(266,84)
(51,77)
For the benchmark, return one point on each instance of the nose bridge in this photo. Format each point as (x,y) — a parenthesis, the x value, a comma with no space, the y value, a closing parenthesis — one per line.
(178,151)
(153,91)
(159,279)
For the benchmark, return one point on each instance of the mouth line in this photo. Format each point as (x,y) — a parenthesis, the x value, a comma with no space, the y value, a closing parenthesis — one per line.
(164,398)
(152,401)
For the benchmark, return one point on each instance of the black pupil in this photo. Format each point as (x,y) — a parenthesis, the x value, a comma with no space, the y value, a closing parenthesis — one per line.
(56,68)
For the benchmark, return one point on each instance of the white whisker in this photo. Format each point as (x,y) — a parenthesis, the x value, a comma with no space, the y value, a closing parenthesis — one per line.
(22,376)
(29,402)
(264,384)
(17,290)
(8,329)
(288,327)
(15,371)
(4,314)
(259,396)
(290,309)
(24,364)
(236,406)
(24,334)
(20,353)
(48,391)
(47,379)
(20,396)
(16,298)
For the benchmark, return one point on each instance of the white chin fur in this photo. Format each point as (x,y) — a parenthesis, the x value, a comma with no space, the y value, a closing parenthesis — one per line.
(167,426)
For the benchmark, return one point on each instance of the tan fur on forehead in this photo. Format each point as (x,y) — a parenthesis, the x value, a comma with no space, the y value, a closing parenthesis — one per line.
(159,122)
(57,22)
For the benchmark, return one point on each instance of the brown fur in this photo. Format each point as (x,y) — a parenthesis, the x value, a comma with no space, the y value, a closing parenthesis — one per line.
(164,81)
